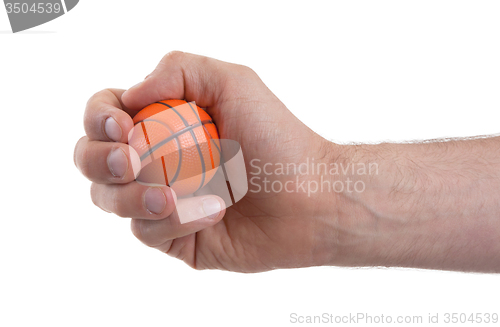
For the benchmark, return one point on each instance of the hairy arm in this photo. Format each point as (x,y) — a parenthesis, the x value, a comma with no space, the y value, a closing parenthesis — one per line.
(432,205)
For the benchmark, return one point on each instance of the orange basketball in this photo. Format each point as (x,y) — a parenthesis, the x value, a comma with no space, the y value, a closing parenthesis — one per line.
(178,145)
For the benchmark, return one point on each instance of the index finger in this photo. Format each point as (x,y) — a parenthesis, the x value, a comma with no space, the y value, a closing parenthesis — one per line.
(106,118)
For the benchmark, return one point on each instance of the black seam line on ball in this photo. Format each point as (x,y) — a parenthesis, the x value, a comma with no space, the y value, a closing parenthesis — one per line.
(173,136)
(168,139)
(210,135)
(176,137)
(221,164)
(194,139)
(199,119)
(194,112)
(178,170)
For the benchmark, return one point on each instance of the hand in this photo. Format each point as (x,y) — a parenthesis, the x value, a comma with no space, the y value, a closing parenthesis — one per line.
(431,205)
(264,230)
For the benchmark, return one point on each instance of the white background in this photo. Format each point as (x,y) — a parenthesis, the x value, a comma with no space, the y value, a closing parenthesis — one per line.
(354,71)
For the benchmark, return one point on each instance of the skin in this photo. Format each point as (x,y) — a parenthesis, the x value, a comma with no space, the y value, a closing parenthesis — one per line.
(431,205)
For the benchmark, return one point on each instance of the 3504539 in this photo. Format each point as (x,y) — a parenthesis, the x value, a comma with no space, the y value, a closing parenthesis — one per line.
(35,8)
(470,318)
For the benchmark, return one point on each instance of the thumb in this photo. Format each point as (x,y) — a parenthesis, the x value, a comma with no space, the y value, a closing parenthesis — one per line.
(191,215)
(180,75)
(207,208)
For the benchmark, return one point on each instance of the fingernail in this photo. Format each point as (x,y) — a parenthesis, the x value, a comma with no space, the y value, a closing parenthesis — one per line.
(211,207)
(117,162)
(112,129)
(155,200)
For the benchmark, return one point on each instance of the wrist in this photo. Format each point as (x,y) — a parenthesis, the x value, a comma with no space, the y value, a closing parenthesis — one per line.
(346,227)
(355,221)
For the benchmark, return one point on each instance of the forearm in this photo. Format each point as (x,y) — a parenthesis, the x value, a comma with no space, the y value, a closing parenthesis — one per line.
(430,205)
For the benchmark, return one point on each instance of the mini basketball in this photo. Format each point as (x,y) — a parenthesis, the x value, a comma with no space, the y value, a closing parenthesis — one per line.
(178,145)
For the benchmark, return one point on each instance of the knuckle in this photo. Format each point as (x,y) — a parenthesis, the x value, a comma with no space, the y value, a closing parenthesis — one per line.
(94,98)
(241,75)
(245,71)
(173,56)
(99,97)
(90,100)
(91,118)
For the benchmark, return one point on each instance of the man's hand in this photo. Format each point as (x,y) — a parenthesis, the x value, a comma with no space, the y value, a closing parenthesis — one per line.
(264,230)
(431,205)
